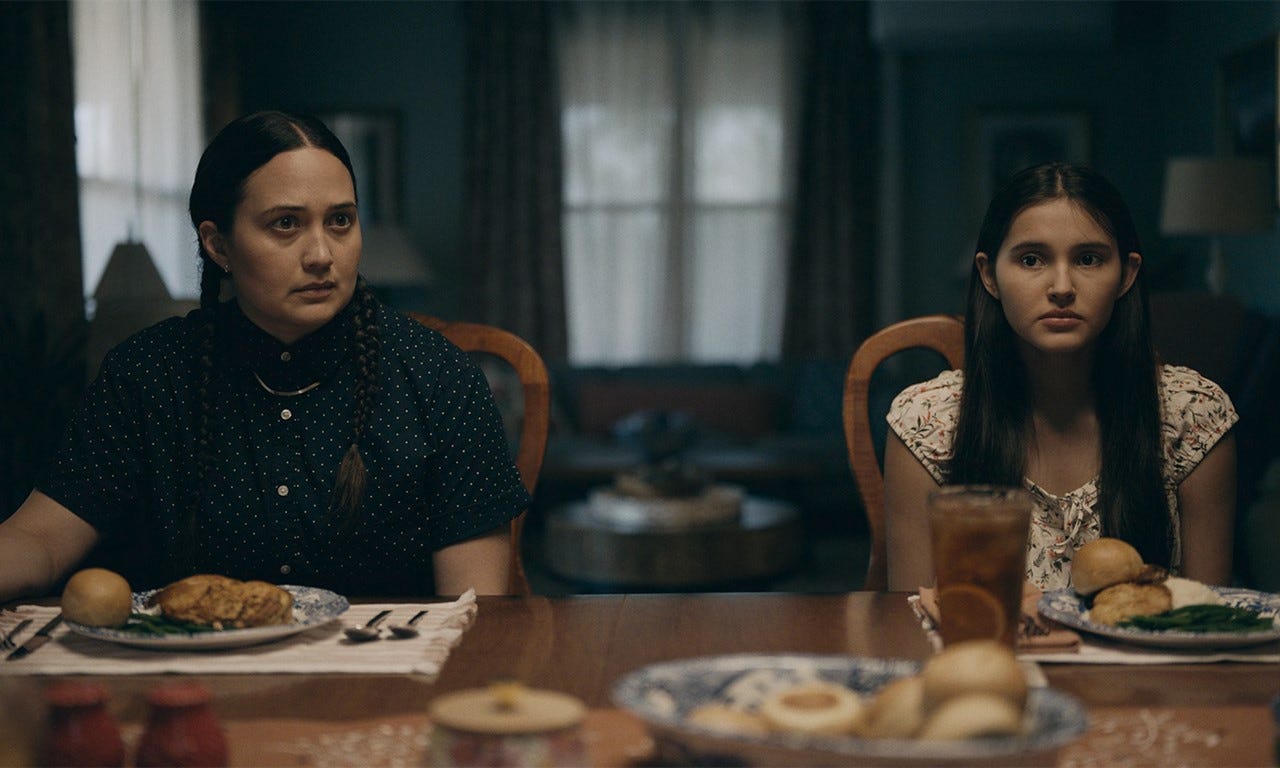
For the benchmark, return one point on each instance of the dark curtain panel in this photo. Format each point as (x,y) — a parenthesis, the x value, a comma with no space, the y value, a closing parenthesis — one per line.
(514,261)
(831,273)
(42,326)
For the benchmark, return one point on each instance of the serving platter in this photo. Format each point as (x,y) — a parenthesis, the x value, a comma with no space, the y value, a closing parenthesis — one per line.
(1066,607)
(312,607)
(664,694)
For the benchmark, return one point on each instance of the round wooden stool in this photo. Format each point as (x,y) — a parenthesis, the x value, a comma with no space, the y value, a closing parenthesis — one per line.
(766,541)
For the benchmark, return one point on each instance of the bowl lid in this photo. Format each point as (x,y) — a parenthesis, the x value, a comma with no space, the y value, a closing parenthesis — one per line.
(507,708)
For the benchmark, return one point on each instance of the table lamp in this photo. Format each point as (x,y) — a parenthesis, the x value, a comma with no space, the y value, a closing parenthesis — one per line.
(1216,196)
(390,259)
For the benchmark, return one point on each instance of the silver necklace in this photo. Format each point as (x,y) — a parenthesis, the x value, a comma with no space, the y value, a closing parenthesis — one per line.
(284,393)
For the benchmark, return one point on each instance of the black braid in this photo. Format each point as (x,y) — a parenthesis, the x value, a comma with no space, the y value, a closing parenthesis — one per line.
(211,277)
(349,489)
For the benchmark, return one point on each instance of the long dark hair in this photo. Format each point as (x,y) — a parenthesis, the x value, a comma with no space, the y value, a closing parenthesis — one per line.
(239,149)
(994,428)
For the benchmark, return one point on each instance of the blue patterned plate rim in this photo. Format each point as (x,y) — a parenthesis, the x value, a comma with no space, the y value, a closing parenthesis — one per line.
(663,694)
(312,607)
(1066,607)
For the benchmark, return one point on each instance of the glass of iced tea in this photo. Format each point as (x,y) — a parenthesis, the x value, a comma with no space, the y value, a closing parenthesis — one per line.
(979,538)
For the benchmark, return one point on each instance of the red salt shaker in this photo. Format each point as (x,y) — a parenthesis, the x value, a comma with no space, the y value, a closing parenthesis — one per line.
(81,731)
(182,729)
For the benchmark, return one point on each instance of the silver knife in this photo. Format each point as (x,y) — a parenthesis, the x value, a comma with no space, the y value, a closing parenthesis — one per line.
(35,641)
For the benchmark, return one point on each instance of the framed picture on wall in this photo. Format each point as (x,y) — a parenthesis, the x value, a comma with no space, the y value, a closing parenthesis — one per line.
(1001,142)
(1248,90)
(372,138)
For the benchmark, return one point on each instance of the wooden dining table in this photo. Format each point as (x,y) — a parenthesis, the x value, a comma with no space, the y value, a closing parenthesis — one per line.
(1210,714)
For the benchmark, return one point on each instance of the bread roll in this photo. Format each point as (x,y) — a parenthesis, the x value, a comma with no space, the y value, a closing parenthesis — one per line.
(726,719)
(97,597)
(973,714)
(896,711)
(1103,562)
(973,666)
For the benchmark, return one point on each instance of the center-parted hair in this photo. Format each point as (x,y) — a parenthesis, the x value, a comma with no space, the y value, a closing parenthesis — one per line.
(995,430)
(239,149)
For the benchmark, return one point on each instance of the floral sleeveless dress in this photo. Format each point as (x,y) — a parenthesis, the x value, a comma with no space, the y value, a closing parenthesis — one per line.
(1195,414)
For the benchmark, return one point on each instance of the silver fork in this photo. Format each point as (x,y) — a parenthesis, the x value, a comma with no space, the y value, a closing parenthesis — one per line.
(7,643)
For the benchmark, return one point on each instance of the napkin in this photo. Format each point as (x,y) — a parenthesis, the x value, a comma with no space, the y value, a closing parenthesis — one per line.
(1035,632)
(320,649)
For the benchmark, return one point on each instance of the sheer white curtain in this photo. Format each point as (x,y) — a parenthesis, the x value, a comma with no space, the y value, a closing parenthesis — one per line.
(138,132)
(677,125)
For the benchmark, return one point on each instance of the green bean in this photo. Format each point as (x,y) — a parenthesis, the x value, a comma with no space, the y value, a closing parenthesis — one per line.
(1202,618)
(151,624)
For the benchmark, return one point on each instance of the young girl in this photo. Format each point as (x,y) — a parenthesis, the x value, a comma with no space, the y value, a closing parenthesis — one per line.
(1061,393)
(300,433)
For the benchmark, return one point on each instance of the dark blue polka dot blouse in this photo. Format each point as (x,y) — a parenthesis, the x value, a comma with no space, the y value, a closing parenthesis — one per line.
(439,468)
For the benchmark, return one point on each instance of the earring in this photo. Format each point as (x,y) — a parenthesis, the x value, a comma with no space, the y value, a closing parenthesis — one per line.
(226,268)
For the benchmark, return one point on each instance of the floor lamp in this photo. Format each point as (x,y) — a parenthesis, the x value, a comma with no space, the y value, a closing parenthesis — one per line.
(1214,197)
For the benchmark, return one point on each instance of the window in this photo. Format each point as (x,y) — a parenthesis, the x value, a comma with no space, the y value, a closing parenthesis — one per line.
(138,132)
(676,124)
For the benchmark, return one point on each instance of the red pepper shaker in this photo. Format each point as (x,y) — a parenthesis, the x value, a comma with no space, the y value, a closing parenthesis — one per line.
(81,730)
(182,729)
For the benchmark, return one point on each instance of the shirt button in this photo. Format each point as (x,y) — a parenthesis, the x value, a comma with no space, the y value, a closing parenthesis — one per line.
(284,570)
(286,414)
(282,490)
(286,356)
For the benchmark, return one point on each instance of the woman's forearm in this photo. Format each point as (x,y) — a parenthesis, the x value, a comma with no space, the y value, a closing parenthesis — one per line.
(482,563)
(39,544)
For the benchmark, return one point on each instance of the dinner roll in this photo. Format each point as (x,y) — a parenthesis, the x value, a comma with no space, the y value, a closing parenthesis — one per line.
(1103,562)
(973,714)
(973,666)
(816,708)
(97,597)
(726,719)
(896,711)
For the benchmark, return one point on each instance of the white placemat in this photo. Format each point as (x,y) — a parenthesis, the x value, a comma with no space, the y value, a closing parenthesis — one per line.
(322,649)
(1094,650)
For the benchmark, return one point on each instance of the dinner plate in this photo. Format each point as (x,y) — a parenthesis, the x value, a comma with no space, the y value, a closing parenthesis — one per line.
(664,694)
(1066,607)
(311,608)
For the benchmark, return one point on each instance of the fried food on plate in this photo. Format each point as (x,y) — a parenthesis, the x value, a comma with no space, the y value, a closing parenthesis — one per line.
(1121,601)
(225,602)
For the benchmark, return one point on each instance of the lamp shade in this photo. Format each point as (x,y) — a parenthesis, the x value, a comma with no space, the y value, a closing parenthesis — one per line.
(1217,196)
(391,259)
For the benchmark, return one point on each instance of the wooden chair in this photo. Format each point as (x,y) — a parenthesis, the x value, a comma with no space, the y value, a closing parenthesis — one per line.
(528,365)
(942,333)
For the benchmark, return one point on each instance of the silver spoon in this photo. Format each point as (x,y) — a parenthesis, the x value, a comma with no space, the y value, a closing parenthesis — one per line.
(408,630)
(369,630)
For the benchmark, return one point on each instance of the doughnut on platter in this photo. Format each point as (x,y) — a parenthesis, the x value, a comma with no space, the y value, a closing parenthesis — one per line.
(689,707)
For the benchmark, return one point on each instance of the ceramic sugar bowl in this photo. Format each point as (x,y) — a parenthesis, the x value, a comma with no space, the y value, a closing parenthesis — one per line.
(507,726)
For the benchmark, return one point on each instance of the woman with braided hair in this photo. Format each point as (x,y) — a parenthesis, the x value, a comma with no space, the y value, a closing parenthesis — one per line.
(298,432)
